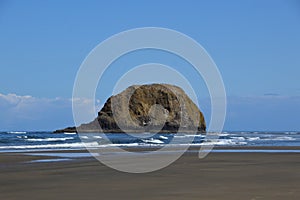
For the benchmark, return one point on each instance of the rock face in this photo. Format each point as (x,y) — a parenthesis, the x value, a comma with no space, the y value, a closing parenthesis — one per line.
(146,108)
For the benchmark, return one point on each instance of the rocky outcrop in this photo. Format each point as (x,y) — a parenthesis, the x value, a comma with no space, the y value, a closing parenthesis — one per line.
(146,108)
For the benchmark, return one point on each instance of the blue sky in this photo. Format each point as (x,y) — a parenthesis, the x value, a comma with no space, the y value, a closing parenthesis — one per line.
(255,44)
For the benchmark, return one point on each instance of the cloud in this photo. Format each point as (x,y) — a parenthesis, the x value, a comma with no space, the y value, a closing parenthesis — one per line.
(31,113)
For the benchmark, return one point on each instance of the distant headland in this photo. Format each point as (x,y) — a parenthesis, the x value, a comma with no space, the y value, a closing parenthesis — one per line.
(160,108)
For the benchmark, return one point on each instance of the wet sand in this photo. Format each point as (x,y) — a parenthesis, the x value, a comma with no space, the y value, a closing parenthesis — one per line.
(217,176)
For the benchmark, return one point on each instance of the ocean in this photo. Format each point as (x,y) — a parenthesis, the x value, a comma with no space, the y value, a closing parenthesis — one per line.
(35,141)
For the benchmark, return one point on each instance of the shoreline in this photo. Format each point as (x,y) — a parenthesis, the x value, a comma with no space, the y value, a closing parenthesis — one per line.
(35,154)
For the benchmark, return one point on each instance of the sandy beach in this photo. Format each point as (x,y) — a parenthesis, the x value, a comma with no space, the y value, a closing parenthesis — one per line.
(218,176)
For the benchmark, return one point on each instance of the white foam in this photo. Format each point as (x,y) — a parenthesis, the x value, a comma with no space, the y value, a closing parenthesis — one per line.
(23,136)
(215,133)
(74,133)
(84,137)
(283,138)
(50,160)
(48,139)
(151,142)
(223,142)
(65,145)
(64,154)
(253,138)
(163,137)
(156,141)
(224,134)
(17,132)
(280,138)
(179,136)
(291,133)
(119,145)
(97,137)
(184,136)
(239,138)
(194,135)
(71,145)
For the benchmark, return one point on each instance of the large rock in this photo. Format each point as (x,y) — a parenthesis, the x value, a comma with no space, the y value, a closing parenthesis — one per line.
(146,108)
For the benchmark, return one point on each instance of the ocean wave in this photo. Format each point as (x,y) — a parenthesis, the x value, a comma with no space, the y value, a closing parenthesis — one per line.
(238,138)
(120,145)
(72,145)
(224,134)
(283,138)
(223,142)
(45,146)
(185,136)
(48,139)
(291,133)
(197,135)
(163,137)
(155,141)
(23,136)
(70,133)
(253,138)
(17,132)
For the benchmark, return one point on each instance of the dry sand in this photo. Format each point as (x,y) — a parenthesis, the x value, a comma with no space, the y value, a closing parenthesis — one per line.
(218,176)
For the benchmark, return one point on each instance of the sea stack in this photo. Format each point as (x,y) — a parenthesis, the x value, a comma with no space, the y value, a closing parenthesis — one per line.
(160,108)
